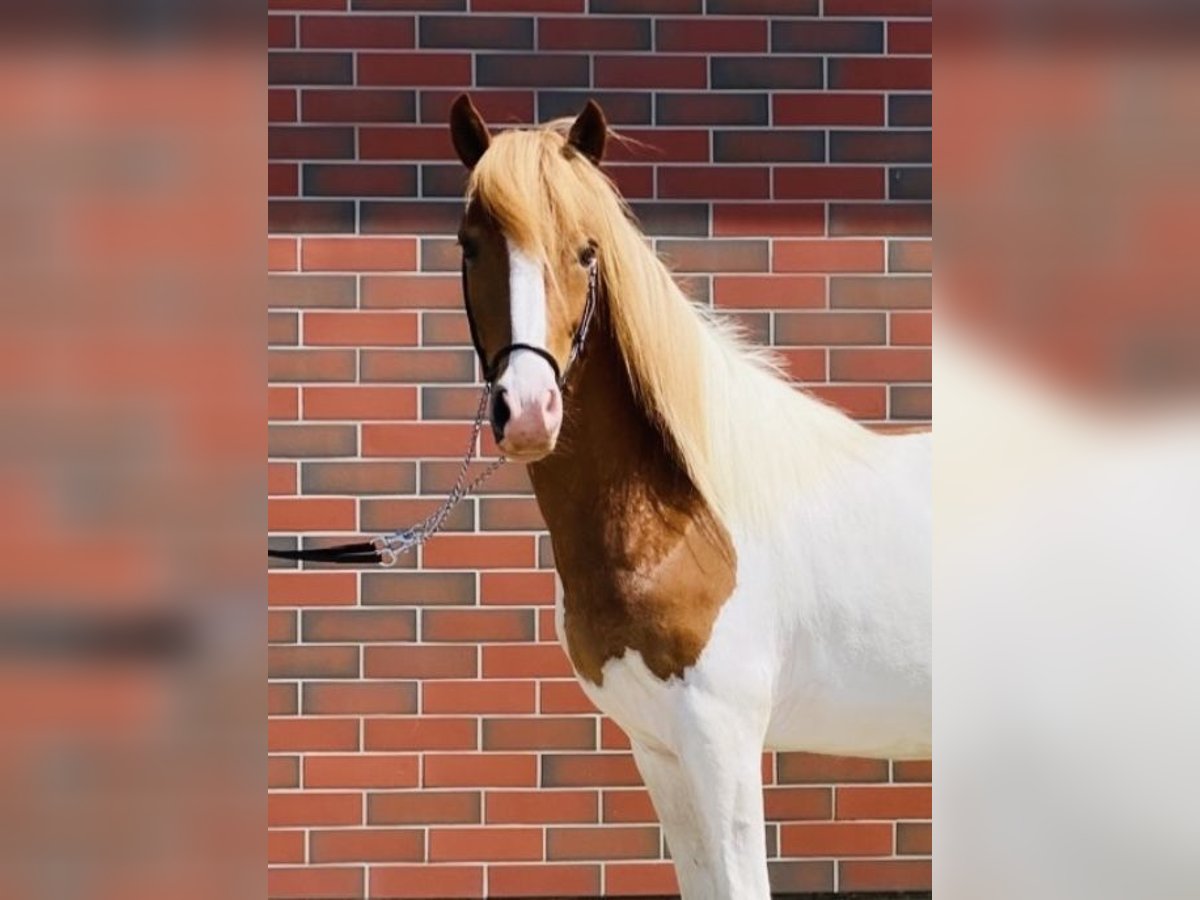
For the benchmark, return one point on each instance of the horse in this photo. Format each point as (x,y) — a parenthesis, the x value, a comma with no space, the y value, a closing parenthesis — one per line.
(741,566)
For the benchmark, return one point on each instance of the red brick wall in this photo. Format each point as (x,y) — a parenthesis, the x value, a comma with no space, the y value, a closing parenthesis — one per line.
(426,736)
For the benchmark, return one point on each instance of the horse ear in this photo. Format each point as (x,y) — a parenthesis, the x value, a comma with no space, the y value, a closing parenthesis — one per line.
(589,132)
(468,131)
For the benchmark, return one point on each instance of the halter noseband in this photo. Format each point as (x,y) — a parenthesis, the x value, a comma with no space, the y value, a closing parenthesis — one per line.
(491,369)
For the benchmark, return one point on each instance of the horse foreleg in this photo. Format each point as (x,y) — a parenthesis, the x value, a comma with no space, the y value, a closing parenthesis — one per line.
(708,795)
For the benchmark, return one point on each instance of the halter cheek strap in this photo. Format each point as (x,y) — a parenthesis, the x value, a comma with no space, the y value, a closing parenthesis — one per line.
(491,368)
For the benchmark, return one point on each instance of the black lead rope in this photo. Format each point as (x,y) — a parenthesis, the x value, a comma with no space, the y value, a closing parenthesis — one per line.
(385,550)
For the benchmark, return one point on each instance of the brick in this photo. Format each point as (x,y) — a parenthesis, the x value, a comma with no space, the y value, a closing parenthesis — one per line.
(910,37)
(445,882)
(827,108)
(309,142)
(771,146)
(468,844)
(415,439)
(367,845)
(651,71)
(711,35)
(784,803)
(311,588)
(420,662)
(543,880)
(479,625)
(525,661)
(358,105)
(477,32)
(813,768)
(305,5)
(884,802)
(310,365)
(310,216)
(311,440)
(858,401)
(768,291)
(558,6)
(828,256)
(711,109)
(283,328)
(374,771)
(633,181)
(281,105)
(593,34)
(438,477)
(307,514)
(556,70)
(281,479)
(745,72)
(910,256)
(620,107)
(357,478)
(410,5)
(628,806)
(307,291)
(589,770)
(286,67)
(494,106)
(910,183)
(362,402)
(716,255)
(510,514)
(414,217)
(285,847)
(358,254)
(281,31)
(358,625)
(311,734)
(540,807)
(922,8)
(572,733)
(611,842)
(807,364)
(640,879)
(389,514)
(648,7)
(829,183)
(914,838)
(797,36)
(418,366)
(391,698)
(800,876)
(358,329)
(413,291)
(910,110)
(763,7)
(836,839)
(524,588)
(444,181)
(281,626)
(283,180)
(489,696)
(478,551)
(830,328)
(424,808)
(612,737)
(312,662)
(283,403)
(414,69)
(448,329)
(912,328)
(482,770)
(880,146)
(920,770)
(418,589)
(406,142)
(890,219)
(350,32)
(441,254)
(887,292)
(283,771)
(314,884)
(885,875)
(281,700)
(880,364)
(422,734)
(564,697)
(911,402)
(893,73)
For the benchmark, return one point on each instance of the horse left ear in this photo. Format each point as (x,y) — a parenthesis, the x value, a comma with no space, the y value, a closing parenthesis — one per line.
(589,132)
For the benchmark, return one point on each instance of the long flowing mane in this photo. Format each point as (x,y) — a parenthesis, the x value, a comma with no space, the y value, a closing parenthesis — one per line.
(745,435)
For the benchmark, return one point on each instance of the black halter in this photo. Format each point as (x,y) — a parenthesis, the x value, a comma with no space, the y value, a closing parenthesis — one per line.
(491,368)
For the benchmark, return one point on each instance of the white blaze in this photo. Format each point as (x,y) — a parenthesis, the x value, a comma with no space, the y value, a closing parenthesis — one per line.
(528,376)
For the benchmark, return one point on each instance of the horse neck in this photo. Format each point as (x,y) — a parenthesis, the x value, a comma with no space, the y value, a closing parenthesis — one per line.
(613,481)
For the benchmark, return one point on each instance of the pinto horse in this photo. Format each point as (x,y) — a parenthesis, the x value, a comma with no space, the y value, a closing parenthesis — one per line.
(742,567)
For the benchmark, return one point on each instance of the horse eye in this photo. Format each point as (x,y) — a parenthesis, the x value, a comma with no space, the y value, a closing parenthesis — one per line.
(587,255)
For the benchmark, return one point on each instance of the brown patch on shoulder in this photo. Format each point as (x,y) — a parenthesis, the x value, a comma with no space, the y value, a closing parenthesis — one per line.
(645,565)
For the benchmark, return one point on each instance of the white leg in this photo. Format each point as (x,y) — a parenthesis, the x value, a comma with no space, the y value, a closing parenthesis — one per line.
(708,795)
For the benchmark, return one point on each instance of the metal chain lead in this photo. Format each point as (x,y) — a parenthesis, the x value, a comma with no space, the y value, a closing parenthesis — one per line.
(391,546)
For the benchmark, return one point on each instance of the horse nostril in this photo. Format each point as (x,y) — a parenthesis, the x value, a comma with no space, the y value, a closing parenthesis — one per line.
(500,416)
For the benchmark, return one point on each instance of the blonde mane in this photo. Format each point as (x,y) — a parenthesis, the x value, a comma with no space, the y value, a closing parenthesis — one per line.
(743,433)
